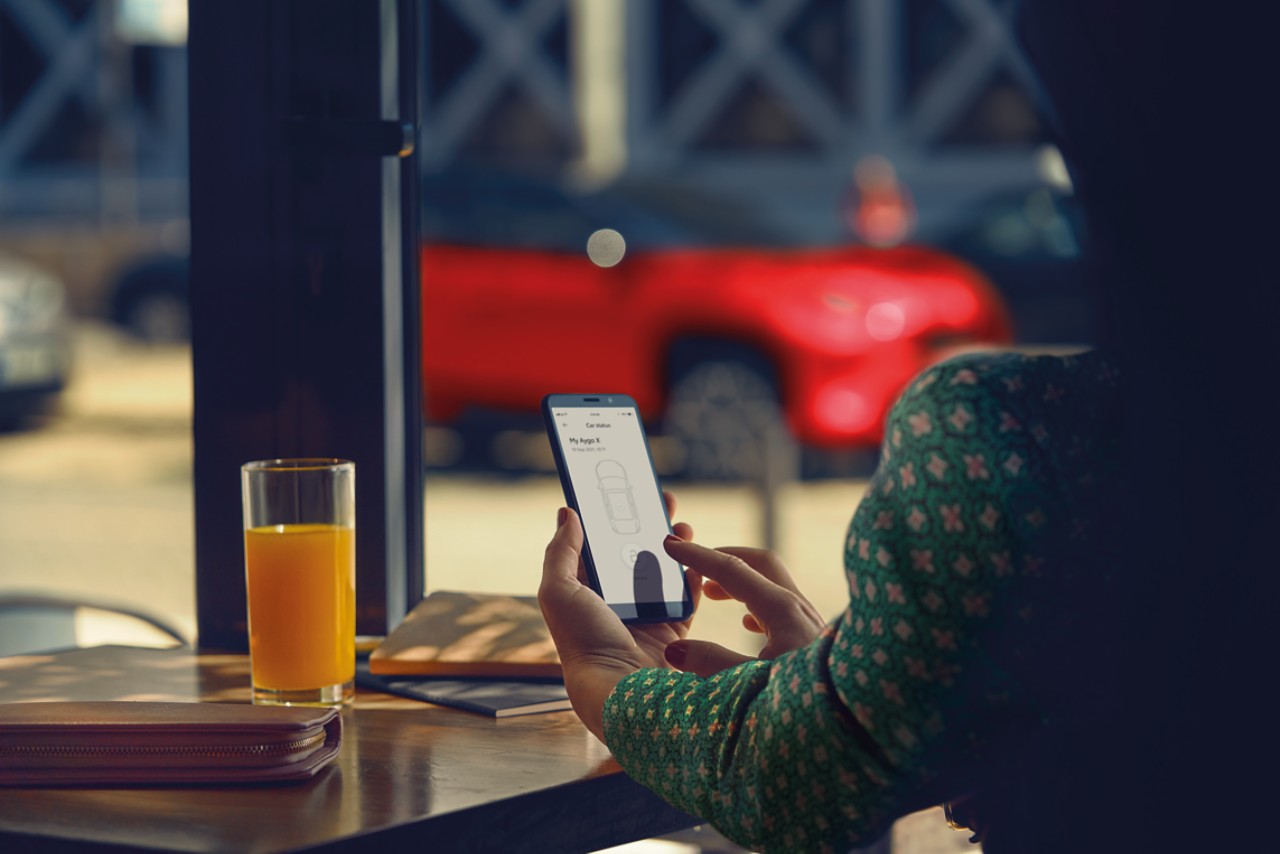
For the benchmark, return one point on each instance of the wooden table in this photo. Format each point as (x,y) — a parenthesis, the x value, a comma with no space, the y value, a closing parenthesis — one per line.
(410,776)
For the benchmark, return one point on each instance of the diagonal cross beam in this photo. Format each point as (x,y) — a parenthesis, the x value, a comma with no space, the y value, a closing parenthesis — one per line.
(69,49)
(510,52)
(750,43)
(989,46)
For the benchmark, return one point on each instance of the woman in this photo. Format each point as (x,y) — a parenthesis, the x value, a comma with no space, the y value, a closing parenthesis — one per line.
(966,662)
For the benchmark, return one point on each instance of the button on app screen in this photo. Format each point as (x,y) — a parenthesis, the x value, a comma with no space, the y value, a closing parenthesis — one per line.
(620,503)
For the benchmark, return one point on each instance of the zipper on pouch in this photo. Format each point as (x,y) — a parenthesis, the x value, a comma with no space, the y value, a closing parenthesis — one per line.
(219,751)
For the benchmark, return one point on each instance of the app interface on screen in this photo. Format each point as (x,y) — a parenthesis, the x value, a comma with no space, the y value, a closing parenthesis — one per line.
(620,503)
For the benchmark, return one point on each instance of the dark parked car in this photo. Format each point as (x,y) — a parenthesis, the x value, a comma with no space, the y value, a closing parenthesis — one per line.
(150,299)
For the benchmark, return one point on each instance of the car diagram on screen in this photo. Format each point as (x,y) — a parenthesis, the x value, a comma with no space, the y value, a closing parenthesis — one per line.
(619,503)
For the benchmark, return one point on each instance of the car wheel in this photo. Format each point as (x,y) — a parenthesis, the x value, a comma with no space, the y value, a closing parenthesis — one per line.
(727,415)
(159,317)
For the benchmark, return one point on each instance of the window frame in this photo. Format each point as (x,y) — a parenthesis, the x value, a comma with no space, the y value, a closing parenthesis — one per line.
(303,192)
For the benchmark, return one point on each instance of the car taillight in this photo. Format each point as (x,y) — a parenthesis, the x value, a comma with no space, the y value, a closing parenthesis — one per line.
(844,410)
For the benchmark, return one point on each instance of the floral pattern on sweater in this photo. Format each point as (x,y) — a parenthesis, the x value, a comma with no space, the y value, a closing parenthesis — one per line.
(975,519)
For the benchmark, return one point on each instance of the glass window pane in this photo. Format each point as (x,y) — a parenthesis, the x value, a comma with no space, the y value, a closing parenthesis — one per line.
(603,124)
(95,368)
(795,194)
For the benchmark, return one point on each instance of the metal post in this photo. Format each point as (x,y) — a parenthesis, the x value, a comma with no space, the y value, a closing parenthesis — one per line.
(303,284)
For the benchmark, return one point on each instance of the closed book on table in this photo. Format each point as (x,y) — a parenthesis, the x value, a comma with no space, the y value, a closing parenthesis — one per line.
(452,633)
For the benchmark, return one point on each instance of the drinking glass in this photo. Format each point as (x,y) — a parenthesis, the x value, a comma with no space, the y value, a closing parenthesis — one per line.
(300,556)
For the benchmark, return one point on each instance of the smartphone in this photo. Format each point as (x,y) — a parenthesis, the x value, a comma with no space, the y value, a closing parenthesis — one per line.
(608,478)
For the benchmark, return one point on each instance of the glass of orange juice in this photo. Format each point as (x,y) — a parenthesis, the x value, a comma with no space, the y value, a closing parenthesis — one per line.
(299,563)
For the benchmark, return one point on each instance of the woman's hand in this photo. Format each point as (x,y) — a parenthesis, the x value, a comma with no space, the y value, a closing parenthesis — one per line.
(757,579)
(596,648)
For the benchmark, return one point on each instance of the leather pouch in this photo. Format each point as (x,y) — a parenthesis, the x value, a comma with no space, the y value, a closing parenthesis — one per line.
(111,743)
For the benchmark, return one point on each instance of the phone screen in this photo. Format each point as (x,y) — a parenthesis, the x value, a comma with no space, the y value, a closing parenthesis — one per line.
(608,478)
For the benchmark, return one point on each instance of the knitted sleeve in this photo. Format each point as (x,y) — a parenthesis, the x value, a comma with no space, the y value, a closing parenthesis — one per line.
(822,748)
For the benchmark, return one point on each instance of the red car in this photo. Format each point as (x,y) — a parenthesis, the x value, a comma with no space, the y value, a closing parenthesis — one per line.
(714,328)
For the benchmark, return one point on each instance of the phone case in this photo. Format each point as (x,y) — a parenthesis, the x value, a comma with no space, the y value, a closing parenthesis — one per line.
(611,485)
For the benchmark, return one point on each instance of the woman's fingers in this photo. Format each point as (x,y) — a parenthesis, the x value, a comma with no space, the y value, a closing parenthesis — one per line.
(714,590)
(702,657)
(730,570)
(757,579)
(564,553)
(683,530)
(766,563)
(696,589)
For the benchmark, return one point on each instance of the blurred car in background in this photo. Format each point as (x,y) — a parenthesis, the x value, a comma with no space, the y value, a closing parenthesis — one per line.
(732,338)
(35,355)
(1029,243)
(720,330)
(149,299)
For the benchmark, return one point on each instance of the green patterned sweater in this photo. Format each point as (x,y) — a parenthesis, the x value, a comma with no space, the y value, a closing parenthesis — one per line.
(975,524)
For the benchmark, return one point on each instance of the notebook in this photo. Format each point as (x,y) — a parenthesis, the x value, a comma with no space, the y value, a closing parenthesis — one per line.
(456,634)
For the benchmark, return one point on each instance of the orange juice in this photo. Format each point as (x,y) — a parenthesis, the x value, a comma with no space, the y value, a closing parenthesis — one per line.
(302,605)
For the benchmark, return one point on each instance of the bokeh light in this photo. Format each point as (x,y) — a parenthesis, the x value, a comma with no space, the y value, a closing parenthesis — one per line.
(605,247)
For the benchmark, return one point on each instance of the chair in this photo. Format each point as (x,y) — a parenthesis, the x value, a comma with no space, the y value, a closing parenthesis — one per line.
(42,622)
